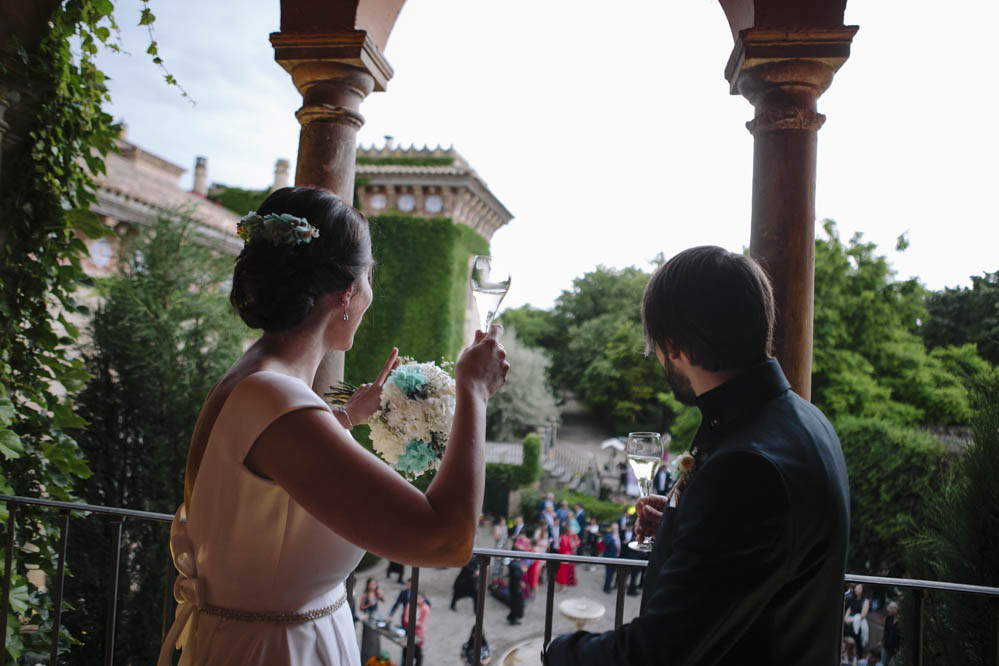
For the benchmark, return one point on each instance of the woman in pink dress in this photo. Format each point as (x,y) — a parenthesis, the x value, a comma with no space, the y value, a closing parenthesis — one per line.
(567,545)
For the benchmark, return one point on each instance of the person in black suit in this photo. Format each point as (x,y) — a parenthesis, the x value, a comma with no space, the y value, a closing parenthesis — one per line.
(750,546)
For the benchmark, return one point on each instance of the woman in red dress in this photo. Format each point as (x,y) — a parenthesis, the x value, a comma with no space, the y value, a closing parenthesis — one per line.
(567,545)
(538,545)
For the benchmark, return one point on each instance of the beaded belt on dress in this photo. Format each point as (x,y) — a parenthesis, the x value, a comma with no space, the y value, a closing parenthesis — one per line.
(288,617)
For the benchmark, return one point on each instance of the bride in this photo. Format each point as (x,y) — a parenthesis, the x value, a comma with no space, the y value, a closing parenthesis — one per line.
(280,502)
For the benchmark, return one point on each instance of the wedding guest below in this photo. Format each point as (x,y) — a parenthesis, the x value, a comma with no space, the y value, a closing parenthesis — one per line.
(555,535)
(890,639)
(402,599)
(631,573)
(518,527)
(539,545)
(465,583)
(370,598)
(500,532)
(622,477)
(280,501)
(624,519)
(579,514)
(749,557)
(568,543)
(636,575)
(848,655)
(612,549)
(422,615)
(563,512)
(855,617)
(871,660)
(548,516)
(468,650)
(591,540)
(395,568)
(515,585)
(661,481)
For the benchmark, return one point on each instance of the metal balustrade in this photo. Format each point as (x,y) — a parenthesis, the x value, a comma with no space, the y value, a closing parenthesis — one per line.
(484,556)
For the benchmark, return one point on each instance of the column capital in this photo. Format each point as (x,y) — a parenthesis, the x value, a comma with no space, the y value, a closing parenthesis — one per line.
(784,94)
(354,49)
(826,46)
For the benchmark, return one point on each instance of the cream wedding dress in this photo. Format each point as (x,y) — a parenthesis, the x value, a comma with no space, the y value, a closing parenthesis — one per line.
(261,580)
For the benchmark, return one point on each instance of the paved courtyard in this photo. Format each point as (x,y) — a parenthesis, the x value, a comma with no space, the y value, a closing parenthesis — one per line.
(447,630)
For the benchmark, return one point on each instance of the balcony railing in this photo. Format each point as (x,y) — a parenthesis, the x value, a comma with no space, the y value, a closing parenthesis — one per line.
(483,555)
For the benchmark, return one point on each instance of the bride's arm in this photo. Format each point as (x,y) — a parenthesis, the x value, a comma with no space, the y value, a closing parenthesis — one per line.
(363,500)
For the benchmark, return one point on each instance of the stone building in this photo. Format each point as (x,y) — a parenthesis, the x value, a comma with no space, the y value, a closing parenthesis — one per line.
(427,182)
(137,187)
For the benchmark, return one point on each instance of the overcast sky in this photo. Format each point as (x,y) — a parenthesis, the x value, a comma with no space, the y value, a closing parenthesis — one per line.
(610,135)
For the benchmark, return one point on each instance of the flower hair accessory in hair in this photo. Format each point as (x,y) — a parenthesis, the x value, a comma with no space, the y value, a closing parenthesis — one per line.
(279,229)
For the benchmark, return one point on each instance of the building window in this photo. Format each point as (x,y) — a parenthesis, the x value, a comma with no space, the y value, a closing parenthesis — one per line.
(378,201)
(433,203)
(100,253)
(406,202)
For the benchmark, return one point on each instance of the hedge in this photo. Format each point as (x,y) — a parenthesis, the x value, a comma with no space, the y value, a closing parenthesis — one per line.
(524,474)
(420,291)
(895,474)
(604,510)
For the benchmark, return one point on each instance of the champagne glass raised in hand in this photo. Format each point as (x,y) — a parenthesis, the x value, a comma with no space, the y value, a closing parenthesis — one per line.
(645,454)
(488,289)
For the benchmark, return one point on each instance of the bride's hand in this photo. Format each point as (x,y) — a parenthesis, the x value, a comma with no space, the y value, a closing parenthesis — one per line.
(482,366)
(368,397)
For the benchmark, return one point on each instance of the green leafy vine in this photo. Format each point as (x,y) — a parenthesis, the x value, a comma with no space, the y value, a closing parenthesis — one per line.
(47,186)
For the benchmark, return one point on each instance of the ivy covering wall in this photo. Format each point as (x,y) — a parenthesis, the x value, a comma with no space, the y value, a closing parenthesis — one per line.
(420,283)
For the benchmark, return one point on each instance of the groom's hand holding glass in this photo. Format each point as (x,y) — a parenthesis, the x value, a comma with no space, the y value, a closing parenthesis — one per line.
(649,513)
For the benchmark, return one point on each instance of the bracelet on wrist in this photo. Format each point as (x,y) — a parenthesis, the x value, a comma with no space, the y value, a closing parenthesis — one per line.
(346,415)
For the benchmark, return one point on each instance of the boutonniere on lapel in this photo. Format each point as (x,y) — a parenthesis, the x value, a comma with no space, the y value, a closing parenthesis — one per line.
(686,465)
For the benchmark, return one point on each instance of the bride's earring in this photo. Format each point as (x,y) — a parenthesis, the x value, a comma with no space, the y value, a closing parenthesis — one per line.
(343,304)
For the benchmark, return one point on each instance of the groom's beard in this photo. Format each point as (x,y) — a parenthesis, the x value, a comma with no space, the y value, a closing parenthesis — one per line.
(680,383)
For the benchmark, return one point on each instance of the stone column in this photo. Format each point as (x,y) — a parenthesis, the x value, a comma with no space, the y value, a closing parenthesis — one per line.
(334,73)
(783,73)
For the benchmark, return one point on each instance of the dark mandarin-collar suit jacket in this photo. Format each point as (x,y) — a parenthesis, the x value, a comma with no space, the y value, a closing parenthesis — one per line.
(748,566)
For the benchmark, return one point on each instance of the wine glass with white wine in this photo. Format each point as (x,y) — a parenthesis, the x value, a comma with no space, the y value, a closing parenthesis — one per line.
(488,289)
(645,454)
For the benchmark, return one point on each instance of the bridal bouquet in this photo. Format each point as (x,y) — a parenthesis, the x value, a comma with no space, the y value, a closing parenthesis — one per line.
(410,429)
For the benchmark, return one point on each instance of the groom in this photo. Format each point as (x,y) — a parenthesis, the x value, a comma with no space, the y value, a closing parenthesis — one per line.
(749,557)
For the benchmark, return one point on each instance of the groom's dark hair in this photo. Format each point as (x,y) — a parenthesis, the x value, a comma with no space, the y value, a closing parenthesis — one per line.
(715,306)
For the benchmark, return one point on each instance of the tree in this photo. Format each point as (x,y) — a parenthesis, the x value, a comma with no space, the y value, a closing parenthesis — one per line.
(959,542)
(960,315)
(599,351)
(868,359)
(534,326)
(161,338)
(524,402)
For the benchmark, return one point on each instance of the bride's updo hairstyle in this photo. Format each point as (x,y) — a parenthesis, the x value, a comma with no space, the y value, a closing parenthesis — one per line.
(275,287)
